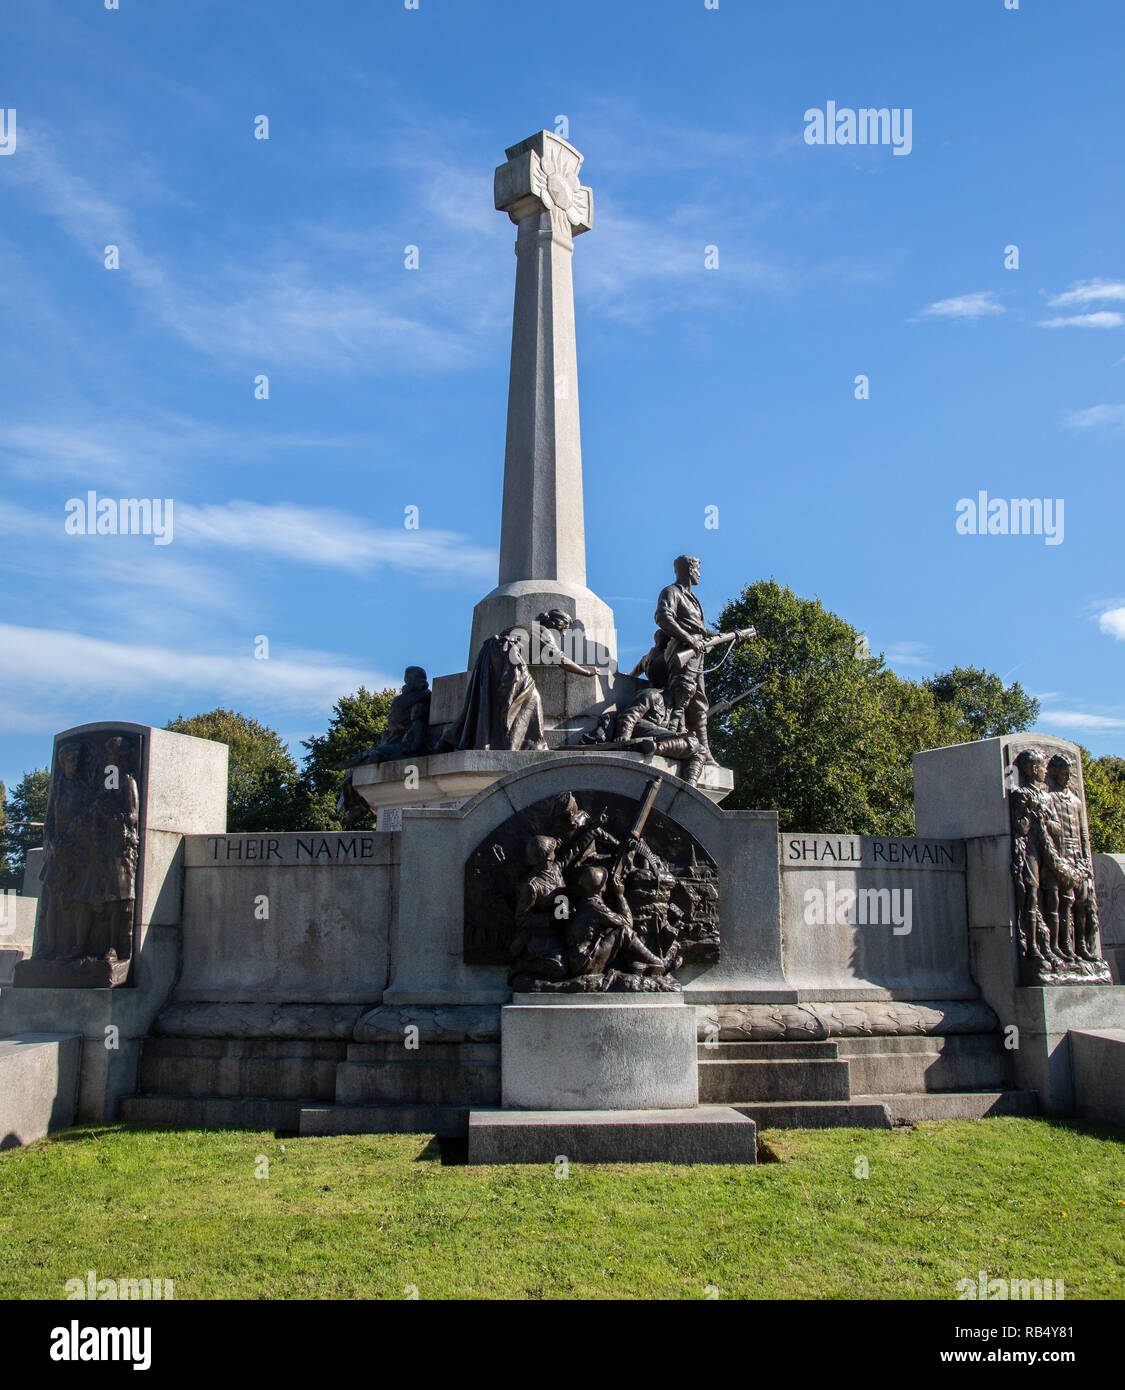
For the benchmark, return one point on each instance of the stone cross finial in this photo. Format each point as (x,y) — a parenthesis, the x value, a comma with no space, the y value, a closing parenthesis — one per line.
(542,533)
(541,175)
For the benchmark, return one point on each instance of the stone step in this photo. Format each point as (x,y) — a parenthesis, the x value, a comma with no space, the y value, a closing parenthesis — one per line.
(199,1112)
(885,1073)
(704,1134)
(911,1107)
(445,1121)
(765,1051)
(947,1044)
(866,1113)
(773,1080)
(425,1052)
(229,1068)
(417,1083)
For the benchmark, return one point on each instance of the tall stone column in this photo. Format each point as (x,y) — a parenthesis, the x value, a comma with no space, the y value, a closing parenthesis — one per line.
(542,536)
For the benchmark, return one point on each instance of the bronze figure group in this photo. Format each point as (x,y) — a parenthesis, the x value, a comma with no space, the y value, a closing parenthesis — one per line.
(1053,873)
(591,893)
(91,842)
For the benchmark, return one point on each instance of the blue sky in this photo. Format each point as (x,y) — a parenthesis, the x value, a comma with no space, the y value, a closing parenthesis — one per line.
(729,387)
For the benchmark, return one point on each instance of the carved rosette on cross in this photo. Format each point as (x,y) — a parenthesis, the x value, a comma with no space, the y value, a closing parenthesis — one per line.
(542,176)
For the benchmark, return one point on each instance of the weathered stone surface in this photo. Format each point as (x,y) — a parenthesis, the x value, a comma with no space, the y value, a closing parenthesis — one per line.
(542,534)
(1098,1062)
(727,1081)
(249,1020)
(266,932)
(38,1085)
(1109,881)
(240,1068)
(868,917)
(705,1134)
(452,1024)
(1047,1018)
(602,1055)
(767,1022)
(444,1121)
(211,1112)
(448,779)
(107,1073)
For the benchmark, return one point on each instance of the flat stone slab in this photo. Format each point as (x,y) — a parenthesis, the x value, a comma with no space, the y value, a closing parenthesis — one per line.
(1098,1060)
(38,1085)
(703,1134)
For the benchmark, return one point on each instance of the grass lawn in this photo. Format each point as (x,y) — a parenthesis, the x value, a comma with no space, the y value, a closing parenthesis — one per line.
(367,1217)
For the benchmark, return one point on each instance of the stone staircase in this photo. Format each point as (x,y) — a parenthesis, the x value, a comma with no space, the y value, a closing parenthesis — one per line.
(312,1086)
(871,1082)
(336,1087)
(382,1088)
(231,1083)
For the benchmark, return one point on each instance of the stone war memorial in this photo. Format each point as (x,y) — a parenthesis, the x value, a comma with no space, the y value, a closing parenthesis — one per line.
(553,939)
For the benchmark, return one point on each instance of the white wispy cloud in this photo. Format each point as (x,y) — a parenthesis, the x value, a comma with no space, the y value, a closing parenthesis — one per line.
(1081,721)
(294,310)
(1089,292)
(978,305)
(1103,318)
(1097,417)
(95,453)
(58,667)
(1112,623)
(909,654)
(332,539)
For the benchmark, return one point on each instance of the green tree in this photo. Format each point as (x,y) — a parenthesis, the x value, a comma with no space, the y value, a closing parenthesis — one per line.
(1105,801)
(1113,767)
(813,739)
(27,803)
(263,788)
(984,706)
(358,722)
(828,734)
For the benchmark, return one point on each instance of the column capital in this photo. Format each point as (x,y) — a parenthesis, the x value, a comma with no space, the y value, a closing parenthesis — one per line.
(542,175)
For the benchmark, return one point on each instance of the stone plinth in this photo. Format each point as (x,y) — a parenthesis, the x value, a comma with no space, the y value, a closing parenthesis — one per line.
(598,1052)
(452,778)
(38,1085)
(518,603)
(1098,1066)
(705,1134)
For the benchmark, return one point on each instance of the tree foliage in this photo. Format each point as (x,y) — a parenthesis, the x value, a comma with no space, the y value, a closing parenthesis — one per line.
(28,802)
(358,722)
(828,733)
(1104,779)
(984,706)
(264,790)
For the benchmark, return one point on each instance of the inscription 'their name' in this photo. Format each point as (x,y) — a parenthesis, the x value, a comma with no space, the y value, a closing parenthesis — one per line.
(299,849)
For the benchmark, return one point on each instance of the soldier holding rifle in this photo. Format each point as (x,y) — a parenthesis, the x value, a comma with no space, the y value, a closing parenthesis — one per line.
(682,641)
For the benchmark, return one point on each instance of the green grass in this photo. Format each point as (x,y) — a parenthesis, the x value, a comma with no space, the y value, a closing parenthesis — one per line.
(366,1217)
